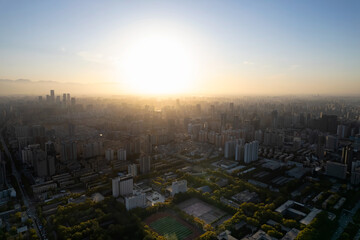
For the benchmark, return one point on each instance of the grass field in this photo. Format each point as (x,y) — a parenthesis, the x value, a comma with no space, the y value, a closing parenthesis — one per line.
(169,226)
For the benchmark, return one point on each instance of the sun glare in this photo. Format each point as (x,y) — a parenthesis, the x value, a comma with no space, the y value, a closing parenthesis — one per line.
(158,64)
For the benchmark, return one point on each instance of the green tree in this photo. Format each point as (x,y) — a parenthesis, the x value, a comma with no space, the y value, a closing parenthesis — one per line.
(274,233)
(209,235)
(13,230)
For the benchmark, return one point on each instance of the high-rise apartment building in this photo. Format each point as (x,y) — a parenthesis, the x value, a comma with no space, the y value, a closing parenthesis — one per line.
(355,172)
(109,155)
(121,154)
(122,186)
(331,143)
(68,151)
(43,162)
(3,183)
(251,151)
(93,149)
(132,170)
(259,136)
(52,96)
(229,151)
(347,156)
(145,164)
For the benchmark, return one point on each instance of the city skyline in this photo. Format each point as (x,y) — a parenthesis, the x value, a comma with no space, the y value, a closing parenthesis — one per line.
(162,48)
(195,167)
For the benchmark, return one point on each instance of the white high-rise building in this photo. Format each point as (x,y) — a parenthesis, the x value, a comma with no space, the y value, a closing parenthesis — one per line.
(239,152)
(259,136)
(331,143)
(145,164)
(93,149)
(27,156)
(251,151)
(255,153)
(109,154)
(43,163)
(68,151)
(116,186)
(355,173)
(341,131)
(132,170)
(229,150)
(239,149)
(122,186)
(121,154)
(247,152)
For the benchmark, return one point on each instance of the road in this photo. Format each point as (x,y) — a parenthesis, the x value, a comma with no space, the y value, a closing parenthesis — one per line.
(27,202)
(357,236)
(346,217)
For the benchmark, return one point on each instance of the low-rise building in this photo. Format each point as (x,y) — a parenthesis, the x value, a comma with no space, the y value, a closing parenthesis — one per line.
(335,169)
(154,198)
(136,200)
(178,187)
(43,187)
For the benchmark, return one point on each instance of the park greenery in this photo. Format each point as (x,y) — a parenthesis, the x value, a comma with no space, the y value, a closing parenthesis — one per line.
(109,219)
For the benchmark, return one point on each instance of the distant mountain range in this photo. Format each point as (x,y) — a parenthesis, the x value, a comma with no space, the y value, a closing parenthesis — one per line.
(29,87)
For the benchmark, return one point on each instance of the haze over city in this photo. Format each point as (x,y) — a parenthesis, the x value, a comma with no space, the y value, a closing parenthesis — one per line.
(182,47)
(179,120)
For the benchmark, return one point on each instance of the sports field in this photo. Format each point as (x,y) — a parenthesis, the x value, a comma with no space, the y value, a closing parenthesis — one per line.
(169,226)
(200,209)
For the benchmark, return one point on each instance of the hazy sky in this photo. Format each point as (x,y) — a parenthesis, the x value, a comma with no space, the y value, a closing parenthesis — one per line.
(246,47)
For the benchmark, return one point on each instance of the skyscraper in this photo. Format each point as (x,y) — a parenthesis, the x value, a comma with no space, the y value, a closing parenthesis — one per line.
(40,165)
(145,164)
(147,144)
(121,154)
(239,151)
(229,151)
(347,156)
(223,121)
(68,151)
(50,158)
(251,151)
(274,119)
(3,183)
(122,185)
(132,170)
(109,154)
(258,136)
(52,96)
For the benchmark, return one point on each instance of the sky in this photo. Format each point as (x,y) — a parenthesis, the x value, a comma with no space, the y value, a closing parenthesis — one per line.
(200,47)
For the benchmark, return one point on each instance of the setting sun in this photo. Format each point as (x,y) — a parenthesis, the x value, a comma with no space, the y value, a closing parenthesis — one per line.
(158,63)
